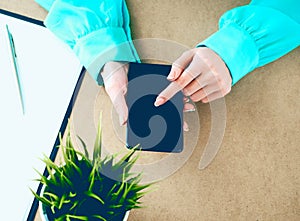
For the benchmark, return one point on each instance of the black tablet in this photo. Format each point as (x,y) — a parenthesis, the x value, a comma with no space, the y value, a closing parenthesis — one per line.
(153,128)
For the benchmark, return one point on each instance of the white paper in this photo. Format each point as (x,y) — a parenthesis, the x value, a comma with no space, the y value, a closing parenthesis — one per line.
(49,72)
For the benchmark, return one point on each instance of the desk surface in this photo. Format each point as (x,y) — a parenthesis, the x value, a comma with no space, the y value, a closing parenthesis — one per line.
(255,175)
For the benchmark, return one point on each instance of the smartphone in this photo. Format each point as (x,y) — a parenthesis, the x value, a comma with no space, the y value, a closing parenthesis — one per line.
(151,128)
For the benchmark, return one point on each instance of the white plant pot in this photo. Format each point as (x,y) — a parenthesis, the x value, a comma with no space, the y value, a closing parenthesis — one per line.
(44,216)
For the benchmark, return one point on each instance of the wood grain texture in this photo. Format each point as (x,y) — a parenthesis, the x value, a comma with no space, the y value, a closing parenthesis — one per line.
(256,174)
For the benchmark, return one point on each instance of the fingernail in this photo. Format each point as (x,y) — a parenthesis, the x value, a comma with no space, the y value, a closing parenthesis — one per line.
(171,76)
(186,128)
(159,101)
(188,110)
(186,99)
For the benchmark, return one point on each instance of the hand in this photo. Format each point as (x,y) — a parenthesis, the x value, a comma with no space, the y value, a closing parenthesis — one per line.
(201,74)
(114,76)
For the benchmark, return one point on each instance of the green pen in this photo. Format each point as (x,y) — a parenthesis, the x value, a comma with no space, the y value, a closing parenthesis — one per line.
(16,67)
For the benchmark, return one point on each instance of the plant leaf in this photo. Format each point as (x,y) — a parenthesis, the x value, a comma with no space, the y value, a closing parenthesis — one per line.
(40,198)
(70,151)
(74,205)
(86,153)
(92,177)
(51,195)
(97,145)
(90,194)
(62,201)
(69,216)
(99,217)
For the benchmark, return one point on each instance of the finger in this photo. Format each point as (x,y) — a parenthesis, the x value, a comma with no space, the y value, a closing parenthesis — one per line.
(186,99)
(212,97)
(190,73)
(201,81)
(203,92)
(116,85)
(180,64)
(121,108)
(117,93)
(112,68)
(172,89)
(187,76)
(188,107)
(185,126)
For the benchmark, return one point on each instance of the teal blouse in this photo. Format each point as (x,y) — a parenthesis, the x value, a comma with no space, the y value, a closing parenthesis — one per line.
(249,36)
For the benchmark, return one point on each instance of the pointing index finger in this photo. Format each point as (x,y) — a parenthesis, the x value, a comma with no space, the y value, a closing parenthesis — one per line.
(167,93)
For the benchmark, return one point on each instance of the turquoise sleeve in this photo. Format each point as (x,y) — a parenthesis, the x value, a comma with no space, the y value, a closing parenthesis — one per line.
(256,34)
(97,30)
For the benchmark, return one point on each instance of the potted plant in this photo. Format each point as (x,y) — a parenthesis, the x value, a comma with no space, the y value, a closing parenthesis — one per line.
(89,189)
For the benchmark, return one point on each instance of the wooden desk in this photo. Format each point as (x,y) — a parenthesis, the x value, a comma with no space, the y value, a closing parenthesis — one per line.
(255,175)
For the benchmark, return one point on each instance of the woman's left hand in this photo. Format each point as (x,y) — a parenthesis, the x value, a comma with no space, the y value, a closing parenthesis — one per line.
(201,74)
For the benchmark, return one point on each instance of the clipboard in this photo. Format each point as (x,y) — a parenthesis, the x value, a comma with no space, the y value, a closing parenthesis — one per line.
(52,76)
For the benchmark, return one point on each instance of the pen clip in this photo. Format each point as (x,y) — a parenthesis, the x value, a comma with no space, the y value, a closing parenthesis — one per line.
(13,46)
(11,39)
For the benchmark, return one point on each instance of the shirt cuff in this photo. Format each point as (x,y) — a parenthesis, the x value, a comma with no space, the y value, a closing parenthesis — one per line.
(102,46)
(236,47)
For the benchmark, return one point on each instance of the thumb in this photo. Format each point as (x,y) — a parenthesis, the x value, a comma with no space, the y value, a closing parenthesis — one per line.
(121,108)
